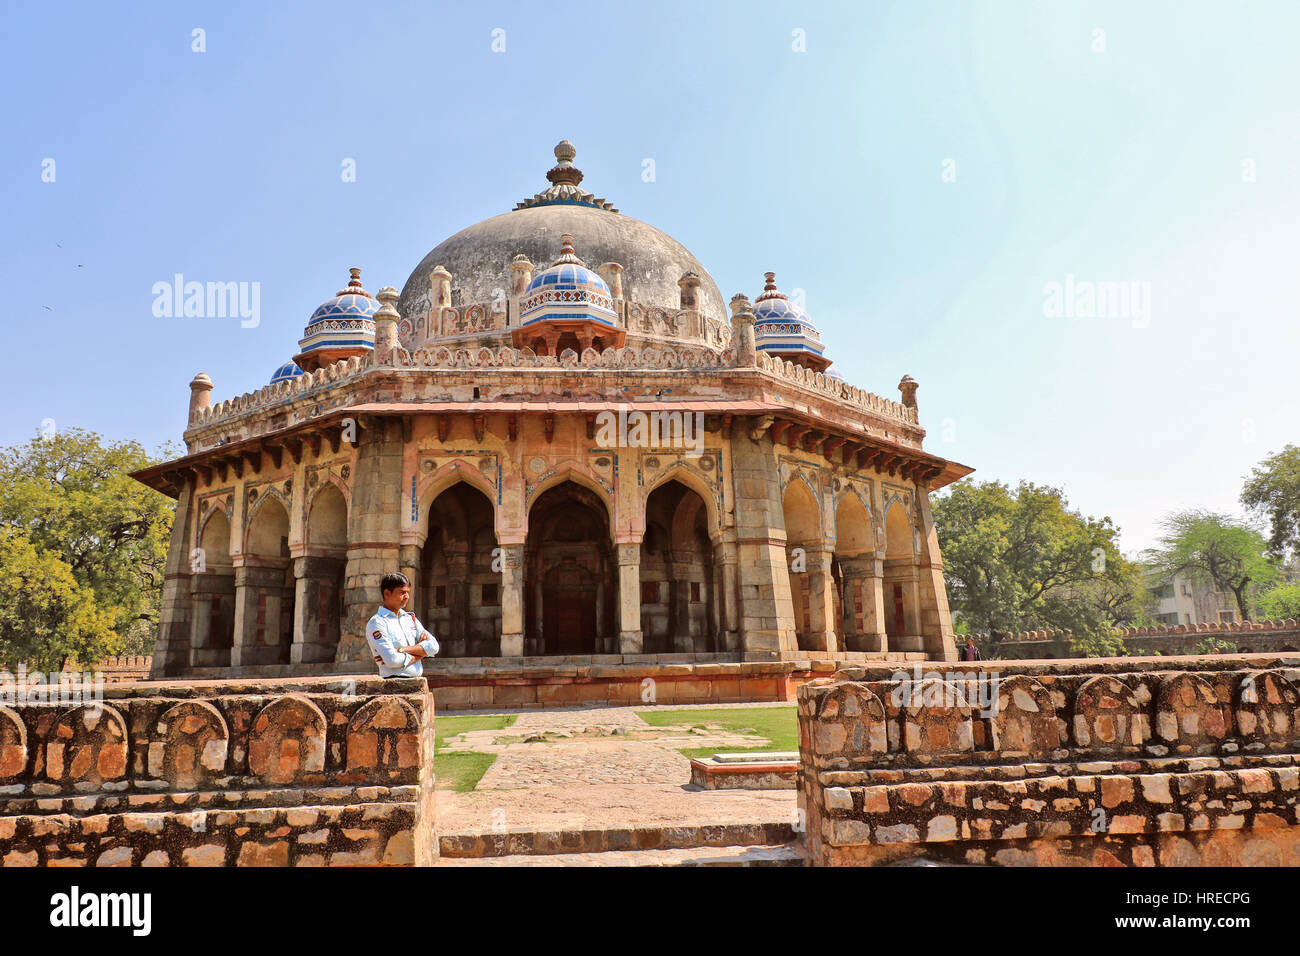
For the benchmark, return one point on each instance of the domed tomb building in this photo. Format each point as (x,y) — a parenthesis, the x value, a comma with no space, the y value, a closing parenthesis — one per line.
(572,447)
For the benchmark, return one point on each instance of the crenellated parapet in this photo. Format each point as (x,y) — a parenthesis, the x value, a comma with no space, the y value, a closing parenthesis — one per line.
(1246,636)
(837,388)
(640,358)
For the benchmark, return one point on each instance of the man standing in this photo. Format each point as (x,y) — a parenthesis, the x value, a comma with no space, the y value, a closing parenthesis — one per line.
(970,652)
(397,638)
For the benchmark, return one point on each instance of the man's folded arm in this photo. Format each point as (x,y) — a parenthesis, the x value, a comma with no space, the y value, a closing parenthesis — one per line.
(388,649)
(427,640)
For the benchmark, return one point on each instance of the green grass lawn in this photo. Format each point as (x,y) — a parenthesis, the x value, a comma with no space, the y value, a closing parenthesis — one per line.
(461,772)
(778,724)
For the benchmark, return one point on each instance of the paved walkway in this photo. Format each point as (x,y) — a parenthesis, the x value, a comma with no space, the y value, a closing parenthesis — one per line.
(599,766)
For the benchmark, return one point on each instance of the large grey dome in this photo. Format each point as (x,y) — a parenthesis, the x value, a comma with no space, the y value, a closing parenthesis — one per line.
(479,257)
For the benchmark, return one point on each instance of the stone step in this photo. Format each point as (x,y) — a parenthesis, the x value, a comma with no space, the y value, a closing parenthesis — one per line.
(786,854)
(527,841)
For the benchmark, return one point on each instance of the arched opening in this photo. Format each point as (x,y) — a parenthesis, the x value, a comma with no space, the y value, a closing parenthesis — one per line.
(567,340)
(803,546)
(901,581)
(539,346)
(598,343)
(268,585)
(570,574)
(318,597)
(856,616)
(678,586)
(212,593)
(460,580)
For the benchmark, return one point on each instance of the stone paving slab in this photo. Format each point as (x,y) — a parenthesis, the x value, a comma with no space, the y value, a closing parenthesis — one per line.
(613,805)
(599,767)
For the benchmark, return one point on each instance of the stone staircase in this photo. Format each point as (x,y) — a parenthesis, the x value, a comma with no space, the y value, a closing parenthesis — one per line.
(725,844)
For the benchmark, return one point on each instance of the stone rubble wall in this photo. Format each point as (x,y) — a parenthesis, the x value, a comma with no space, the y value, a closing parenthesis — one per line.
(1248,636)
(1186,761)
(116,670)
(205,773)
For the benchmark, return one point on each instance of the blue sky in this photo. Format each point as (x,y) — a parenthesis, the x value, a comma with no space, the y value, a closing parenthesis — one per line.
(1129,164)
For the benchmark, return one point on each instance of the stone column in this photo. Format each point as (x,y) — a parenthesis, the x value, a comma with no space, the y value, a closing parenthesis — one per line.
(458,599)
(409,563)
(873,610)
(512,600)
(172,648)
(821,601)
(629,597)
(374,530)
(212,596)
(537,635)
(260,594)
(932,607)
(852,572)
(766,607)
(729,633)
(679,602)
(317,602)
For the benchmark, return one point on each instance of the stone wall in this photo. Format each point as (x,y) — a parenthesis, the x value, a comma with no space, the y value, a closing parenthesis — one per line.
(289,772)
(1249,637)
(1108,761)
(116,670)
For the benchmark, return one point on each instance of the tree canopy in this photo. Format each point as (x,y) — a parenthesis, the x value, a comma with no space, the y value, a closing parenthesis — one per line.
(1273,491)
(85,547)
(1022,559)
(1216,549)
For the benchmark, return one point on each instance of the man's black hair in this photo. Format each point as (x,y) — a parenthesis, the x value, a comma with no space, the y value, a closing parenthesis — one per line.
(392,581)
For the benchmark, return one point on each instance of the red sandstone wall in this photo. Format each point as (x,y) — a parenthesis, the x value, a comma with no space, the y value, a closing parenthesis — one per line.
(1087,763)
(207,773)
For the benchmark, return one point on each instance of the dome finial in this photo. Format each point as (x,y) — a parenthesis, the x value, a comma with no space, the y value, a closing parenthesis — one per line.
(354,284)
(769,288)
(564,171)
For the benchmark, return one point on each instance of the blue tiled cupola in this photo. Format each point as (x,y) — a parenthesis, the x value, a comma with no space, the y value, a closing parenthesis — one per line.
(340,328)
(783,330)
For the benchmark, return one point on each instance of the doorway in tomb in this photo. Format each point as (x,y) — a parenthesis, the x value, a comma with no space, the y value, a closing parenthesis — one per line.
(571,576)
(569,608)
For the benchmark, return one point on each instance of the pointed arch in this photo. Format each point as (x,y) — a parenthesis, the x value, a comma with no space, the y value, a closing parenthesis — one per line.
(575,472)
(900,533)
(267,522)
(326,525)
(802,509)
(443,478)
(854,527)
(694,479)
(214,539)
(458,591)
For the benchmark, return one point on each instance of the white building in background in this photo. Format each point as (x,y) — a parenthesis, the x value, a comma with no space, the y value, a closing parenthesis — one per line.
(1185,600)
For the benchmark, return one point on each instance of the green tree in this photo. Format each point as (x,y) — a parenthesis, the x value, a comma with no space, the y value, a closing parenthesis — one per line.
(47,619)
(1022,559)
(72,498)
(1273,491)
(1280,603)
(1215,549)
